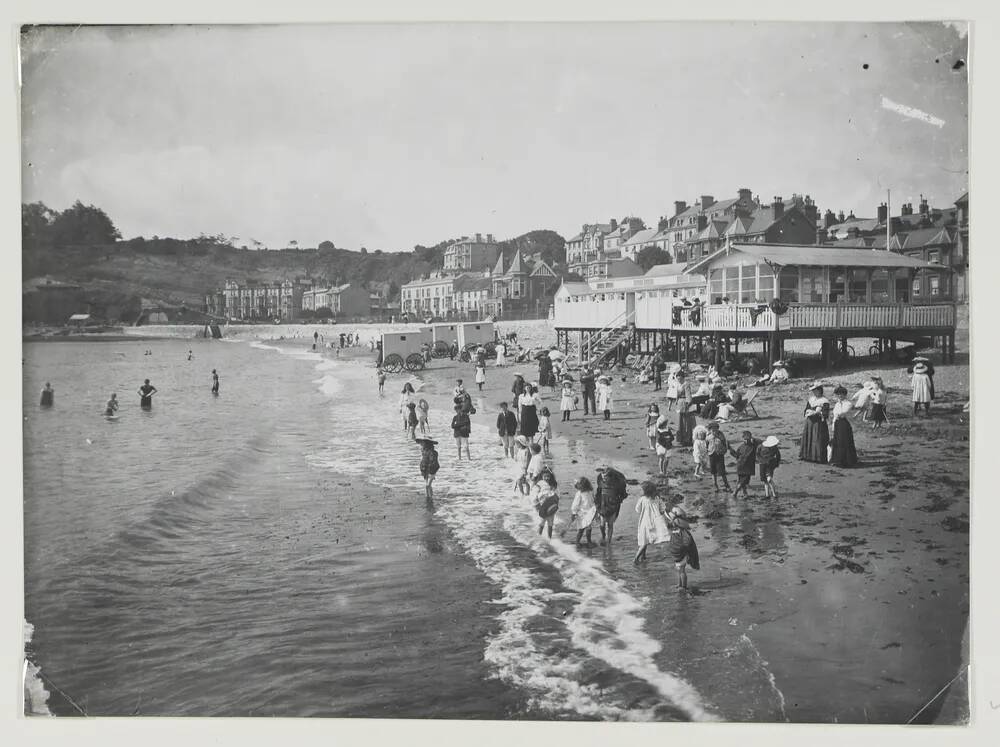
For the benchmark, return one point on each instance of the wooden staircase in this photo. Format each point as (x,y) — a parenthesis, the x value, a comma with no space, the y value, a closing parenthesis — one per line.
(603,343)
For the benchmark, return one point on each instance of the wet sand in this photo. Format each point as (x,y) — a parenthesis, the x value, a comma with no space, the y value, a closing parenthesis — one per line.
(850,590)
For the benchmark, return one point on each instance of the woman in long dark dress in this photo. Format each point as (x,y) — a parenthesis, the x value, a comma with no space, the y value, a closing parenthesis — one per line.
(816,433)
(529,414)
(517,390)
(842,452)
(686,421)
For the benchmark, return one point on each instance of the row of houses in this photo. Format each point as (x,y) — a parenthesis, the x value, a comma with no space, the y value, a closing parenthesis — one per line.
(937,235)
(288,300)
(517,286)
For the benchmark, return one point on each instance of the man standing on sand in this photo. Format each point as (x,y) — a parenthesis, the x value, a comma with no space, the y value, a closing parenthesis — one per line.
(589,384)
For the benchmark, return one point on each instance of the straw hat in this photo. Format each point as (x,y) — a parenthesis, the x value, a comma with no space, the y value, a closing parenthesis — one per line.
(815,385)
(920,368)
(604,378)
(428,441)
(778,364)
(771,441)
(522,440)
(921,358)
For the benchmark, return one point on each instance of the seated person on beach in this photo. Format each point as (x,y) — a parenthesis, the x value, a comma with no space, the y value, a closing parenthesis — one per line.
(780,373)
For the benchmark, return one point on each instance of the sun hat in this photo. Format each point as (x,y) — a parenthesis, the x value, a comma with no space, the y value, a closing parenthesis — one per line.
(815,385)
(921,358)
(840,390)
(428,441)
(920,368)
(778,364)
(771,441)
(522,440)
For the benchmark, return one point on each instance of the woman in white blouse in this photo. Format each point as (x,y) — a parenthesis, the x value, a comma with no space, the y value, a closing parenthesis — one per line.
(842,451)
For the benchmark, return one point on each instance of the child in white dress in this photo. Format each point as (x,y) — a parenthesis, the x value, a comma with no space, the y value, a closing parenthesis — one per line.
(584,510)
(544,430)
(700,451)
(652,526)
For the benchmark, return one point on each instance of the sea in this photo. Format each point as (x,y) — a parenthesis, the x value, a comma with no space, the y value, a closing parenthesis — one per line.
(269,551)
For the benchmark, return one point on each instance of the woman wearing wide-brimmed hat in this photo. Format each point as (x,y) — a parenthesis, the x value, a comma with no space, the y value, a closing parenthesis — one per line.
(842,450)
(686,418)
(816,433)
(921,383)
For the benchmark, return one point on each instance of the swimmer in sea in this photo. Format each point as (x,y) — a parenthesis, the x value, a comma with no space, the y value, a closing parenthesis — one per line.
(112,407)
(48,396)
(215,382)
(146,392)
(190,355)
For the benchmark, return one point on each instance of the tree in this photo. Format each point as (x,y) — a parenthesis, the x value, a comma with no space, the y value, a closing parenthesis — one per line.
(83,224)
(36,224)
(651,255)
(325,246)
(294,244)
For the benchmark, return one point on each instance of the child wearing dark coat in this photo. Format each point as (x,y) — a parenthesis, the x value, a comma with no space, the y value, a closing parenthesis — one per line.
(746,462)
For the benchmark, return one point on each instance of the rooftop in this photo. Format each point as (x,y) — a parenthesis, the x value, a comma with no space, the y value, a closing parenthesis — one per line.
(813,256)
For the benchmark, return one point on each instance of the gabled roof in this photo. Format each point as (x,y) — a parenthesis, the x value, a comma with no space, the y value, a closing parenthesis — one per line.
(963,200)
(574,287)
(642,237)
(926,237)
(542,268)
(498,267)
(517,266)
(714,230)
(722,205)
(578,237)
(811,255)
(739,226)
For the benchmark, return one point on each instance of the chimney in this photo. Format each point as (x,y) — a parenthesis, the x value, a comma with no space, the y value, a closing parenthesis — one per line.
(883,213)
(840,217)
(489,238)
(821,235)
(479,238)
(778,207)
(706,200)
(907,208)
(829,219)
(810,209)
(702,222)
(744,194)
(614,224)
(924,209)
(679,206)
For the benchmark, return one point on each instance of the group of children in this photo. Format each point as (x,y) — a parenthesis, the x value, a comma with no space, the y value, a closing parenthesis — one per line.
(710,449)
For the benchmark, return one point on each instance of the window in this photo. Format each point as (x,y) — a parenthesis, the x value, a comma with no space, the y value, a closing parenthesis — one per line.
(732,283)
(880,286)
(934,255)
(765,283)
(858,287)
(838,284)
(715,285)
(916,286)
(748,284)
(814,285)
(788,284)
(934,282)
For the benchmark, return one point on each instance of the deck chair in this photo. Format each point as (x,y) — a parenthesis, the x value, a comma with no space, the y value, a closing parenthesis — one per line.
(746,404)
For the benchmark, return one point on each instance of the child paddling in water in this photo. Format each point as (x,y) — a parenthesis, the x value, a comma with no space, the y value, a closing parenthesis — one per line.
(112,406)
(545,430)
(411,420)
(652,525)
(683,549)
(429,465)
(584,510)
(546,501)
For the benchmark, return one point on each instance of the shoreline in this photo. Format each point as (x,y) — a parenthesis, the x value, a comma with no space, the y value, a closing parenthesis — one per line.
(887,538)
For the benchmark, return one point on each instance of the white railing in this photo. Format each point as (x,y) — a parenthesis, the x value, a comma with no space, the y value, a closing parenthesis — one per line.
(870,316)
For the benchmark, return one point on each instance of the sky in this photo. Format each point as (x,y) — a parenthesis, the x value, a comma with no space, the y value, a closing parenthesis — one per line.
(387,136)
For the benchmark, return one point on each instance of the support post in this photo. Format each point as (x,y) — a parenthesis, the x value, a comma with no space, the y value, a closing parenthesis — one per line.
(717,340)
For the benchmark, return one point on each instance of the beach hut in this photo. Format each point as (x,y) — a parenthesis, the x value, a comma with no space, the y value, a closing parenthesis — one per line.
(404,349)
(474,333)
(79,320)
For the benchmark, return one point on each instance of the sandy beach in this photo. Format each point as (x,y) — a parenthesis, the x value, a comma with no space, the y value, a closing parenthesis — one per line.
(854,582)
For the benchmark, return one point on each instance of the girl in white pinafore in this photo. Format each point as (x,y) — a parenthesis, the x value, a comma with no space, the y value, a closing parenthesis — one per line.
(652,528)
(605,402)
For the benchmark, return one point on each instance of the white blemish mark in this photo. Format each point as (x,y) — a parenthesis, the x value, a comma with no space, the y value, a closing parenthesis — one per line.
(909,111)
